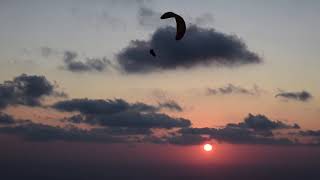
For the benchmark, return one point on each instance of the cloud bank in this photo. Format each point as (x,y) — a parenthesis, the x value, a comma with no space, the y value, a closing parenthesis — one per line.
(262,123)
(200,46)
(119,113)
(43,133)
(26,90)
(253,130)
(118,121)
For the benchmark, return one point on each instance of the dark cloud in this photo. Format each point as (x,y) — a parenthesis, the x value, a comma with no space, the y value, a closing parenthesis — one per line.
(138,119)
(262,123)
(69,56)
(99,106)
(200,46)
(137,128)
(142,107)
(310,133)
(40,132)
(6,119)
(130,133)
(31,131)
(236,135)
(302,96)
(133,119)
(254,130)
(26,90)
(90,64)
(171,105)
(119,113)
(233,89)
(76,119)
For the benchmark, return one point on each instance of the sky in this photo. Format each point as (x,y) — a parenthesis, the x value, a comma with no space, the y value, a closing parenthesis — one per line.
(76,76)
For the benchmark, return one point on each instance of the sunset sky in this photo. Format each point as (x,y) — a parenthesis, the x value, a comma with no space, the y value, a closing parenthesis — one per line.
(79,87)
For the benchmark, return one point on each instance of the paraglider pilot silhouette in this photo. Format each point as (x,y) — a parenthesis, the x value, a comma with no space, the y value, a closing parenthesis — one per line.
(181,27)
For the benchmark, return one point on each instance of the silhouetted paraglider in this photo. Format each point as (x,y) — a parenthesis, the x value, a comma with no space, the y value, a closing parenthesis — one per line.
(153,53)
(181,27)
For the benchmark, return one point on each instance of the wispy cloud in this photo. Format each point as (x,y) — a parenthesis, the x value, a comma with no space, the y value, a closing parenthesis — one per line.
(89,65)
(233,89)
(302,96)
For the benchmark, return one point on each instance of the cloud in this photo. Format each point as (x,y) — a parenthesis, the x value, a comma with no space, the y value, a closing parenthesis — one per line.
(233,89)
(121,121)
(40,132)
(119,113)
(43,132)
(89,65)
(171,105)
(37,132)
(139,130)
(6,119)
(200,46)
(138,119)
(26,90)
(310,133)
(262,123)
(71,62)
(253,130)
(46,51)
(99,106)
(236,135)
(309,137)
(302,96)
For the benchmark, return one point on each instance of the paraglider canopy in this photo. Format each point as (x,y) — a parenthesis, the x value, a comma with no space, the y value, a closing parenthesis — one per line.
(181,25)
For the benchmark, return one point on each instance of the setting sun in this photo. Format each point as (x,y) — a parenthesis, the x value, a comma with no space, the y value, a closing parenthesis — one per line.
(207,147)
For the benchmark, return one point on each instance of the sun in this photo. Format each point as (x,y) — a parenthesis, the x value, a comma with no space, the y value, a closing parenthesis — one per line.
(207,147)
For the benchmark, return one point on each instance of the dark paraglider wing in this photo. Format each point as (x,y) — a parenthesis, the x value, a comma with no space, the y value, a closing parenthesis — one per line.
(181,25)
